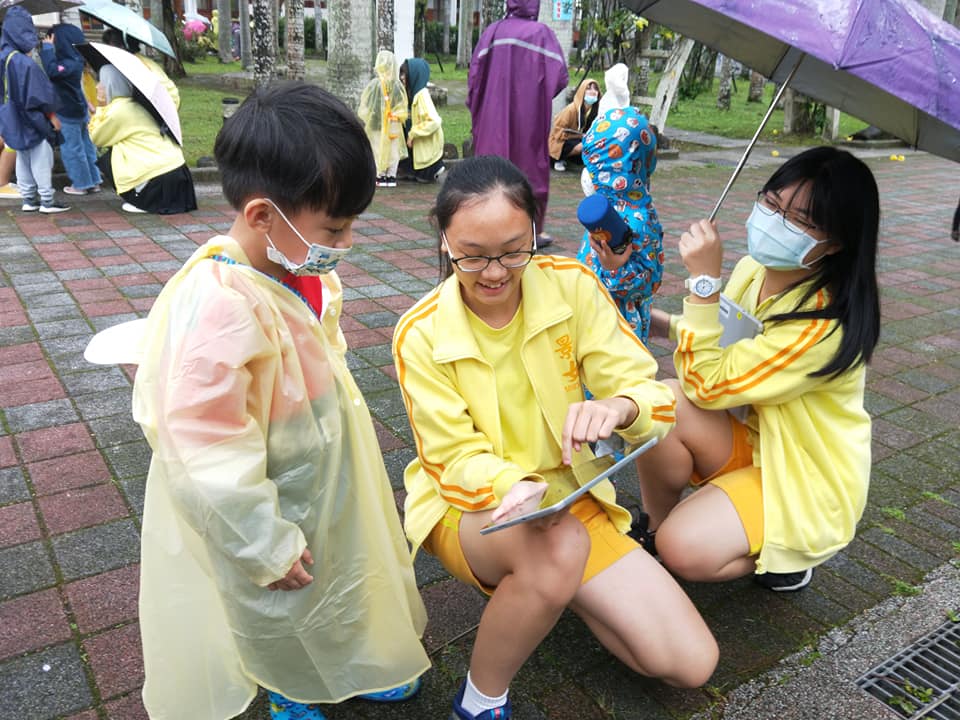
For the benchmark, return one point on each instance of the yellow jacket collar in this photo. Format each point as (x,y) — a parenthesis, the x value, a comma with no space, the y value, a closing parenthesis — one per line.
(546,307)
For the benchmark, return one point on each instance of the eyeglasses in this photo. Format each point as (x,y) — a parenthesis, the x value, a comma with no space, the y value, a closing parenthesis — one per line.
(791,221)
(479,263)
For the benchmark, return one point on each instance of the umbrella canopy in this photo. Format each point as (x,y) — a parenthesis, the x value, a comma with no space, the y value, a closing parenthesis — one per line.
(39,7)
(891,63)
(154,95)
(128,22)
(198,17)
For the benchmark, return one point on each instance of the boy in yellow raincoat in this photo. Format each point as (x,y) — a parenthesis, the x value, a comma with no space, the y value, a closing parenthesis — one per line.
(383,110)
(272,552)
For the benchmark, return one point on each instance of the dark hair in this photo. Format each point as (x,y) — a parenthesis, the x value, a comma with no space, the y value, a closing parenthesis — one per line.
(471,180)
(112,36)
(845,203)
(298,145)
(133,45)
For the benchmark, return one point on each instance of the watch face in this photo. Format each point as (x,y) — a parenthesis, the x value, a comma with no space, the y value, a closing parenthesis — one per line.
(703,287)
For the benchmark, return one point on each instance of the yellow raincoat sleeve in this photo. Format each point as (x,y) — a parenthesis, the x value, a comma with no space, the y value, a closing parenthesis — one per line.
(211,359)
(461,461)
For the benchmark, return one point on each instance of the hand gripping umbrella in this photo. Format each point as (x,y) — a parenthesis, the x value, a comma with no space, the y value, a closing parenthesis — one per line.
(129,23)
(148,89)
(891,63)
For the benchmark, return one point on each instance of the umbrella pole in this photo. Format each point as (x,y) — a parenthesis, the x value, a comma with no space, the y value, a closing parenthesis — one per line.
(753,141)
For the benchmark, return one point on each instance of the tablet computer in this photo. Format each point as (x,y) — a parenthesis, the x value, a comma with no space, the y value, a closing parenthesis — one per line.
(737,323)
(565,485)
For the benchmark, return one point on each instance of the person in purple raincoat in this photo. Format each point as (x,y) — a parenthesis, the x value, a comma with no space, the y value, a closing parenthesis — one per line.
(517,69)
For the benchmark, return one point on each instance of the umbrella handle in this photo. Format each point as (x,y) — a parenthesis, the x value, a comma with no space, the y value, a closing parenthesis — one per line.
(753,141)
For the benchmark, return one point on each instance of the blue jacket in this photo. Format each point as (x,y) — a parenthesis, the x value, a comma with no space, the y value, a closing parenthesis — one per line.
(64,67)
(27,90)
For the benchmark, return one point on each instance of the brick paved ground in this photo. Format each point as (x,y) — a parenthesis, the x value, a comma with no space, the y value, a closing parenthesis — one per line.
(73,463)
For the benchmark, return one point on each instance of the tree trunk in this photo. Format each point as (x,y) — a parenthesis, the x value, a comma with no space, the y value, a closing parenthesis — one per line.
(490,12)
(264,43)
(351,38)
(641,82)
(386,25)
(318,30)
(294,40)
(156,13)
(246,54)
(726,81)
(443,12)
(173,66)
(274,27)
(757,83)
(419,28)
(223,31)
(465,34)
(669,81)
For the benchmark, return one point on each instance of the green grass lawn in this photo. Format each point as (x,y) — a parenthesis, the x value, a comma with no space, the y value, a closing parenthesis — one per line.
(200,112)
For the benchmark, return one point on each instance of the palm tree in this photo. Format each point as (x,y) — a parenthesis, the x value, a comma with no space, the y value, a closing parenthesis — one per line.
(264,43)
(490,12)
(386,24)
(351,39)
(465,34)
(294,40)
(246,56)
(223,31)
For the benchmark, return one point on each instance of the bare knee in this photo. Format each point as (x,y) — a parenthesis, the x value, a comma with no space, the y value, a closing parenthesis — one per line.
(682,552)
(696,665)
(553,564)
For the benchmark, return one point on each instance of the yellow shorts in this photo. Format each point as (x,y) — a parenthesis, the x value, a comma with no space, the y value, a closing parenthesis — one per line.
(607,545)
(740,479)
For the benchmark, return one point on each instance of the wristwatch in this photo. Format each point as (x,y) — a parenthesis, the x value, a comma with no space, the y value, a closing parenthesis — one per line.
(703,286)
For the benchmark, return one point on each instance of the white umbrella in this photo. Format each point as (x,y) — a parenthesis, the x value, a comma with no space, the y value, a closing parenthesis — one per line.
(128,22)
(155,96)
(119,344)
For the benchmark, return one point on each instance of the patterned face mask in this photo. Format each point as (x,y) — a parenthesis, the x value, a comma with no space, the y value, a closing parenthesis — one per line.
(320,259)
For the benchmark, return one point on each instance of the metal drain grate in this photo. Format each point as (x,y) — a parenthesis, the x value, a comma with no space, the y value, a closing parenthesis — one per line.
(922,681)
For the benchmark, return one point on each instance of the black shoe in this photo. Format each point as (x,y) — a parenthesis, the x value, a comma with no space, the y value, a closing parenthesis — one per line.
(785,582)
(544,241)
(30,204)
(53,208)
(639,531)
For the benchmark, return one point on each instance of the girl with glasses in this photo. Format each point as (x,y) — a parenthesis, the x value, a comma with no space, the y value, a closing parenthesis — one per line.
(492,365)
(781,492)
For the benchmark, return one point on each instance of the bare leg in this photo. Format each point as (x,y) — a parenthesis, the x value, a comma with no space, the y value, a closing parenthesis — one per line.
(701,441)
(537,571)
(640,613)
(703,539)
(8,161)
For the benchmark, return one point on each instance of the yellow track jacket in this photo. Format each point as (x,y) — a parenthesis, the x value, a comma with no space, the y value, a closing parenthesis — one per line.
(572,336)
(811,435)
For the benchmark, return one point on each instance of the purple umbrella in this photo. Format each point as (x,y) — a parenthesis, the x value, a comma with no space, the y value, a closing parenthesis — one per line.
(891,63)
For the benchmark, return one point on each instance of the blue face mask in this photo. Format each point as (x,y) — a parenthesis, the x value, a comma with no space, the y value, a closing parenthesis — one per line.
(320,259)
(774,245)
(590,98)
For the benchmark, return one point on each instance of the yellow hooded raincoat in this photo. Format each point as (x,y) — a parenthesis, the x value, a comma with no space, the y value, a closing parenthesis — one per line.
(383,110)
(262,446)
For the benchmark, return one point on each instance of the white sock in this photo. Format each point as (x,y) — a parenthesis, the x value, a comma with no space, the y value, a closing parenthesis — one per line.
(475,702)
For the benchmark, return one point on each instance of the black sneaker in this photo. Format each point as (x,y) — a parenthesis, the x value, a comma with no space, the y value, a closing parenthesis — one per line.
(31,205)
(785,582)
(54,207)
(639,531)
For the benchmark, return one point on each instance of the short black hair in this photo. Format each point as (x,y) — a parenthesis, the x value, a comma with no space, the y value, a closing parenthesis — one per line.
(300,146)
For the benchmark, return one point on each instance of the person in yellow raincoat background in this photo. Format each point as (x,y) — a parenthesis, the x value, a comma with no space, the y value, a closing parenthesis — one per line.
(272,552)
(383,110)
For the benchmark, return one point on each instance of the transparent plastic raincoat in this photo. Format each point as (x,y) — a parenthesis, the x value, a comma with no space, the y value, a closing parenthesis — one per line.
(262,446)
(383,110)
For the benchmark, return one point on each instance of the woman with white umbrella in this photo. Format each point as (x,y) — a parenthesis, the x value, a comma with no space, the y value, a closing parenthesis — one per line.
(146,166)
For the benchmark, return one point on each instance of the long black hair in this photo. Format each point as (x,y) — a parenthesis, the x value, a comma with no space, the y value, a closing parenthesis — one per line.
(471,180)
(845,203)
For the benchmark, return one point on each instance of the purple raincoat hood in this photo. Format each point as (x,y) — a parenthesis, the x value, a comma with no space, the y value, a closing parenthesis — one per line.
(529,9)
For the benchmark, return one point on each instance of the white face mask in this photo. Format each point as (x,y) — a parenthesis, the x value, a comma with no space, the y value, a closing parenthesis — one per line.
(590,98)
(320,259)
(775,246)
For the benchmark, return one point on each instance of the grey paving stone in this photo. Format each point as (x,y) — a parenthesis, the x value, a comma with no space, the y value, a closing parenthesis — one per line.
(46,279)
(135,489)
(141,291)
(61,329)
(97,549)
(384,318)
(130,460)
(375,291)
(109,402)
(355,362)
(24,568)
(94,380)
(16,335)
(428,569)
(51,300)
(114,270)
(71,360)
(20,251)
(124,233)
(83,273)
(162,265)
(386,404)
(45,685)
(66,345)
(105,321)
(395,276)
(396,462)
(56,312)
(372,379)
(25,267)
(106,251)
(400,426)
(47,239)
(351,294)
(41,415)
(114,430)
(13,486)
(376,355)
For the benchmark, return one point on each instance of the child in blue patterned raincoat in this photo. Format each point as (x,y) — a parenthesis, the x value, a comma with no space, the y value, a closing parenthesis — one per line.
(619,153)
